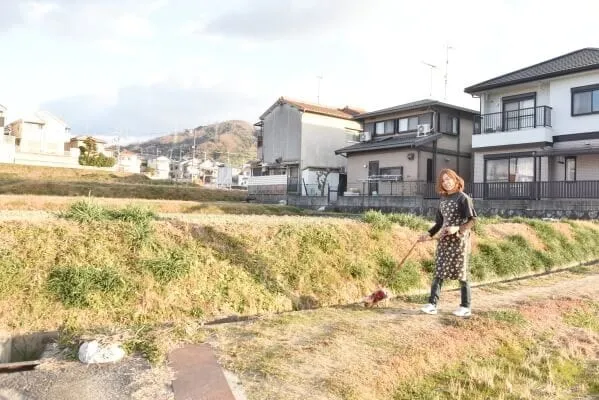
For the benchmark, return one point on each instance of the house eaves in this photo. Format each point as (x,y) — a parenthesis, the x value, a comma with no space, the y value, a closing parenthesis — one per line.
(586,59)
(413,106)
(388,143)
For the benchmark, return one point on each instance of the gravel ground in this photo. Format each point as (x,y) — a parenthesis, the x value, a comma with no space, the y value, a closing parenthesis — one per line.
(54,379)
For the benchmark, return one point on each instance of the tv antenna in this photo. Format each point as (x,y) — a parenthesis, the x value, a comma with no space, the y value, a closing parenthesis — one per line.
(319,77)
(431,84)
(447,48)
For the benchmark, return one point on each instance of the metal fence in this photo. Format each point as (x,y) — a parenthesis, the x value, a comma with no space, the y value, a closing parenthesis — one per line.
(489,190)
(514,120)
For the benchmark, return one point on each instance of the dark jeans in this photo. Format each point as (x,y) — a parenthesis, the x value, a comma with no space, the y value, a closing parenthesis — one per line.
(436,292)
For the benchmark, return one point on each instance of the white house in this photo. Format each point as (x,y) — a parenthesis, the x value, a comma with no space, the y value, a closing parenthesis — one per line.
(161,167)
(538,134)
(41,133)
(298,139)
(7,144)
(129,162)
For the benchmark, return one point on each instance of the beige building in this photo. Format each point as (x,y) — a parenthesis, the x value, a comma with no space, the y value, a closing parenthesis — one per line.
(411,142)
(298,139)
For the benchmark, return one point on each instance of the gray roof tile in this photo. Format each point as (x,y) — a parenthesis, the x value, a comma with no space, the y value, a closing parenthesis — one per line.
(576,61)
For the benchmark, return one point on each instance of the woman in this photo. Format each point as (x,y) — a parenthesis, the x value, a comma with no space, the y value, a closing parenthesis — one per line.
(455,217)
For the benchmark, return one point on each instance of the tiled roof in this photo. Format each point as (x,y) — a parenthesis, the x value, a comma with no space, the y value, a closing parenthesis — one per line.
(415,105)
(344,113)
(576,61)
(392,142)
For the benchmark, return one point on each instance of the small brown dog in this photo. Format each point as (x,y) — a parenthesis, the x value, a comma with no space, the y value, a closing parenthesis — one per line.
(376,297)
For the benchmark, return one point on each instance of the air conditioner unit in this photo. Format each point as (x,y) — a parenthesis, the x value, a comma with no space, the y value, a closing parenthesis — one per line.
(365,137)
(423,129)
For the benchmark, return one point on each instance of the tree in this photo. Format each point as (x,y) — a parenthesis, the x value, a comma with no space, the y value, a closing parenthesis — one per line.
(321,179)
(89,155)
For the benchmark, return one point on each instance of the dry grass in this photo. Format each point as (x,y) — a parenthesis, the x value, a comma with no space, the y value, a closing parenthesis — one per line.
(29,172)
(158,280)
(352,353)
(501,231)
(47,181)
(62,203)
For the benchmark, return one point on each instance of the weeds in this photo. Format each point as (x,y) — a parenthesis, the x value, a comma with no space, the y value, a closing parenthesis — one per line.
(170,266)
(398,280)
(508,316)
(75,286)
(521,369)
(383,222)
(378,220)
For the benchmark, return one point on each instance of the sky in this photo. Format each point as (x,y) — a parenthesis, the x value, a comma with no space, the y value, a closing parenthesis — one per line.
(140,69)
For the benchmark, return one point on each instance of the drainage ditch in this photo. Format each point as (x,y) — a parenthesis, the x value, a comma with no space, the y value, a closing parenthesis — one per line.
(23,352)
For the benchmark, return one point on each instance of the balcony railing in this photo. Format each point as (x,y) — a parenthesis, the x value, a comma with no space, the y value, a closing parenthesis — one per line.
(524,118)
(489,190)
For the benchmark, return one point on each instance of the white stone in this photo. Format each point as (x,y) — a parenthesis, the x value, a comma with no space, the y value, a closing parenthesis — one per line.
(93,353)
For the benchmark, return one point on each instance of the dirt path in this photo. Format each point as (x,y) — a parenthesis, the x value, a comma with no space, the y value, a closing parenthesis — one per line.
(350,352)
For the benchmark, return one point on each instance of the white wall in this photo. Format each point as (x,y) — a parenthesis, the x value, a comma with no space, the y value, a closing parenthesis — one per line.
(321,136)
(310,182)
(563,123)
(492,102)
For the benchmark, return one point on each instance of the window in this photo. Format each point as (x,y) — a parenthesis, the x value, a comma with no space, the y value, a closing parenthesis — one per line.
(393,171)
(384,127)
(585,100)
(407,124)
(448,123)
(514,169)
(519,112)
(570,169)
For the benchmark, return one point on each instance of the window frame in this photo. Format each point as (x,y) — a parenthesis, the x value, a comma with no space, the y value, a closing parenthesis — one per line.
(400,167)
(583,89)
(566,159)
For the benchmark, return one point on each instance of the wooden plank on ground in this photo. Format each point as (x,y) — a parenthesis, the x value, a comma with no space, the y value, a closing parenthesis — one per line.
(18,366)
(198,376)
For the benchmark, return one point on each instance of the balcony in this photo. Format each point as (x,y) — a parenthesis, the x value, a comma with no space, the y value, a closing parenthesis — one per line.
(505,128)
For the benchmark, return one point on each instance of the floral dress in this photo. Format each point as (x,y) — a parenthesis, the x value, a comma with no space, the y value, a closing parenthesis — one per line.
(453,251)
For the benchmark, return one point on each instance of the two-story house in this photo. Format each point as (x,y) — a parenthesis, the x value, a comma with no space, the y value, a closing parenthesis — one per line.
(42,133)
(410,142)
(298,139)
(538,135)
(160,167)
(128,162)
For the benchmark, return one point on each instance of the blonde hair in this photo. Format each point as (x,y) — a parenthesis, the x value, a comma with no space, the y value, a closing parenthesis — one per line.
(459,182)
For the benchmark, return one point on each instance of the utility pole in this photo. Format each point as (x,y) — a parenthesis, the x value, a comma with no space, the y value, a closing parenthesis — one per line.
(319,77)
(447,47)
(431,83)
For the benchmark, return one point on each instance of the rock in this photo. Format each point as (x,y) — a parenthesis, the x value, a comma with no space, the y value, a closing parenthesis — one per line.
(93,353)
